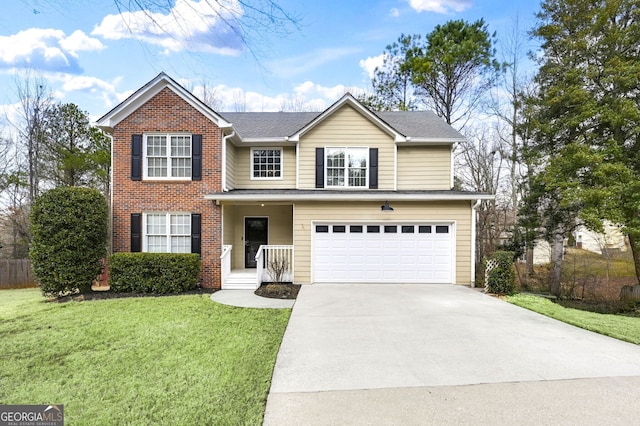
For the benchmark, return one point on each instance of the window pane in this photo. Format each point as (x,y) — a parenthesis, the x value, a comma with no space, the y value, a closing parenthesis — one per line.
(180,224)
(335,177)
(347,166)
(335,167)
(424,229)
(181,167)
(355,229)
(407,229)
(157,244)
(358,157)
(357,177)
(373,229)
(442,229)
(322,229)
(175,238)
(390,229)
(180,245)
(339,229)
(181,146)
(156,224)
(266,163)
(156,146)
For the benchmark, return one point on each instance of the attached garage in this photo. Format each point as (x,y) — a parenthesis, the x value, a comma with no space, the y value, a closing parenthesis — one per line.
(383,252)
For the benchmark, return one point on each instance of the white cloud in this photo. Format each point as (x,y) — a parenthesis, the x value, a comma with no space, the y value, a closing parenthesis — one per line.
(370,64)
(93,86)
(79,41)
(202,26)
(440,6)
(308,95)
(394,12)
(45,50)
(315,91)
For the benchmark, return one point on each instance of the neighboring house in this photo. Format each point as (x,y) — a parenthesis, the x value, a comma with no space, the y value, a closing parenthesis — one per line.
(611,238)
(345,195)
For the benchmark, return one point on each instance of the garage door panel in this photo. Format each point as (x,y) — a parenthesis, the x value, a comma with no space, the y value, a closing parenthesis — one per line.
(397,253)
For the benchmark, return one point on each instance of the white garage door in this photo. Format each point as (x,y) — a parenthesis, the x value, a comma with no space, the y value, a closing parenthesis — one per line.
(383,253)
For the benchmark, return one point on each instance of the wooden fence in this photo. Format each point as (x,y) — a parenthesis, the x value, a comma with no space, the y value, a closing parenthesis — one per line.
(16,273)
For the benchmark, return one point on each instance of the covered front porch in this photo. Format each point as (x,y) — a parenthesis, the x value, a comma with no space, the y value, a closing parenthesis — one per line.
(257,244)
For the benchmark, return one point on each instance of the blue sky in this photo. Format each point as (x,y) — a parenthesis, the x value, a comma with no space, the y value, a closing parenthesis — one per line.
(88,55)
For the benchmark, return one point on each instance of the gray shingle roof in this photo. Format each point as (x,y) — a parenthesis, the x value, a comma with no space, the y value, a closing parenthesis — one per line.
(268,124)
(415,124)
(419,124)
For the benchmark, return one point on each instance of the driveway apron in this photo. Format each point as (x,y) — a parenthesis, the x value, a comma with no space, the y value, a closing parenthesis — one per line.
(394,343)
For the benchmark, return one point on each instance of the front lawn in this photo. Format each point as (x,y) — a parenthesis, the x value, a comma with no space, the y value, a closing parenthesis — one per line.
(619,326)
(178,360)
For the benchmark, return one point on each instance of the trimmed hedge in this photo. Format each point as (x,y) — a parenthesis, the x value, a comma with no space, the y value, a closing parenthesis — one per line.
(154,273)
(68,239)
(502,278)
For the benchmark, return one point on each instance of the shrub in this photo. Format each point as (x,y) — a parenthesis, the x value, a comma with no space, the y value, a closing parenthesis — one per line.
(155,273)
(502,278)
(68,239)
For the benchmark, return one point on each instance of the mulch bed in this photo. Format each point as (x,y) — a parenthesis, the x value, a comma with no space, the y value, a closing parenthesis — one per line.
(278,291)
(103,295)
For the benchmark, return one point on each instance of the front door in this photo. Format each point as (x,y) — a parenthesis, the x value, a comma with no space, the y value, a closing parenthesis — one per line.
(255,235)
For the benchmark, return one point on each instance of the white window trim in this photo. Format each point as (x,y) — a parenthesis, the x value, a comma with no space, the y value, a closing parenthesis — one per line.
(261,148)
(145,162)
(346,177)
(145,239)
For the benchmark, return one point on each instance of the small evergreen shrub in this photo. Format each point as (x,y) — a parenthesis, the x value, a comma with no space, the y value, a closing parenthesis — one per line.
(153,273)
(502,278)
(68,239)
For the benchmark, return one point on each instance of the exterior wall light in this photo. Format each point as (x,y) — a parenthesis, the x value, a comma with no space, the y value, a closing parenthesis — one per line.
(386,207)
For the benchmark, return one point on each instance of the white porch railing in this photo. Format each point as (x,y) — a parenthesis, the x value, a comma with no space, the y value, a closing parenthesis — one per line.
(274,263)
(225,260)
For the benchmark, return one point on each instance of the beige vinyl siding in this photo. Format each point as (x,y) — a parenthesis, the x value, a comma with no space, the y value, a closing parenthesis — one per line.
(345,128)
(244,172)
(280,228)
(424,167)
(228,228)
(458,212)
(231,166)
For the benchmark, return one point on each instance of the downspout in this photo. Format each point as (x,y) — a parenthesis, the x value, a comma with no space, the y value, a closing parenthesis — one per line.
(473,242)
(224,160)
(110,223)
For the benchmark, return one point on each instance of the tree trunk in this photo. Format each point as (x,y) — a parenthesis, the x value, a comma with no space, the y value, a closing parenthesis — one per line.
(635,249)
(557,252)
(529,260)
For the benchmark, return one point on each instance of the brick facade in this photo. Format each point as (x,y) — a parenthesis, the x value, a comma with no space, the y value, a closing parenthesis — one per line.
(168,112)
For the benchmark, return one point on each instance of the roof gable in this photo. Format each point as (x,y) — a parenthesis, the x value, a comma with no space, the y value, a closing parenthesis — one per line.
(147,92)
(348,99)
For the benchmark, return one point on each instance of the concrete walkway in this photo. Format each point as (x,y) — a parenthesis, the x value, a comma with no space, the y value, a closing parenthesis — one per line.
(443,354)
(247,299)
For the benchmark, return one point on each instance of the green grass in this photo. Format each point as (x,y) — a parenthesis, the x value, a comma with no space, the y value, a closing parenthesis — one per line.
(621,327)
(179,360)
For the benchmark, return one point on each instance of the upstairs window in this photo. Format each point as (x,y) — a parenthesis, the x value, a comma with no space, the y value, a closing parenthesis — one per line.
(167,156)
(266,163)
(347,167)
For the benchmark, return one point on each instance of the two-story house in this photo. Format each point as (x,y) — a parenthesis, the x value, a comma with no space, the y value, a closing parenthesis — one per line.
(344,195)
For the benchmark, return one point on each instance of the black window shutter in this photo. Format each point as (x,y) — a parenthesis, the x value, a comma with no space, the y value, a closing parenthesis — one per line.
(136,157)
(196,221)
(373,168)
(196,157)
(319,167)
(136,232)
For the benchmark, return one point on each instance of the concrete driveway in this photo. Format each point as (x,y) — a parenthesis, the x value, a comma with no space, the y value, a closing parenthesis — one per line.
(443,354)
